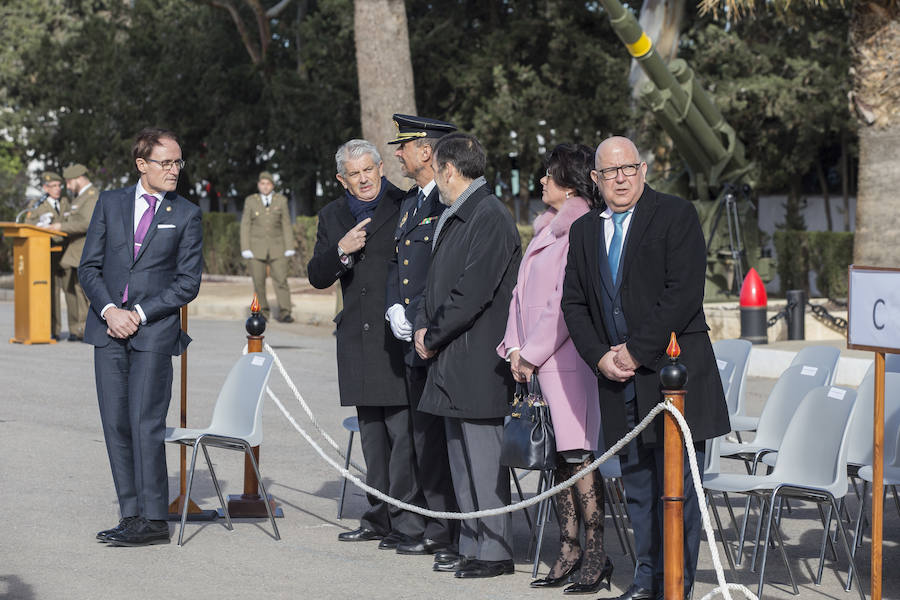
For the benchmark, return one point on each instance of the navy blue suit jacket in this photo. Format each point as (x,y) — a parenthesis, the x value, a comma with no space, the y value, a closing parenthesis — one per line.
(164,276)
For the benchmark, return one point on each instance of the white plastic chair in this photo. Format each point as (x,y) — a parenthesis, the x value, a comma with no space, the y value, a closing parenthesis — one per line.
(821,357)
(737,353)
(789,391)
(812,465)
(236,425)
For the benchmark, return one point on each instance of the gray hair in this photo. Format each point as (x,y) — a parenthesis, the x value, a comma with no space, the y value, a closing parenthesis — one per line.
(353,150)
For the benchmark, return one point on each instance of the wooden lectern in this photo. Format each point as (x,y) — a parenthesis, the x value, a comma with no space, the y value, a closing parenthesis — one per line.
(32,280)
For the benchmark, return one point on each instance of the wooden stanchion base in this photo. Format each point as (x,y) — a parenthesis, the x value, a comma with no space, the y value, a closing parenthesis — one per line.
(251,505)
(195,513)
(29,342)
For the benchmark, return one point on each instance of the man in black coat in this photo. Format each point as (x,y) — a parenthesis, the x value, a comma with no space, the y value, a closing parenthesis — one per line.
(635,273)
(408,270)
(354,244)
(473,272)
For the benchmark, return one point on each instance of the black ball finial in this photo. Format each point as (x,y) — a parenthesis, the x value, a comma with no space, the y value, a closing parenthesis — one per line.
(674,375)
(256,324)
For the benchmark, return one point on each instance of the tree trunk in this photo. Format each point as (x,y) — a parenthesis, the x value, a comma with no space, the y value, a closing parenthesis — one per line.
(823,185)
(384,69)
(877,239)
(875,40)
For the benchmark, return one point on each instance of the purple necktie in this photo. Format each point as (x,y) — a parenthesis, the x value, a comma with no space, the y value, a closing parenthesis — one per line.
(142,229)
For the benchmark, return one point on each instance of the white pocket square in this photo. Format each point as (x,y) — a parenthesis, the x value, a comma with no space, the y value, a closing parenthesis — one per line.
(165,226)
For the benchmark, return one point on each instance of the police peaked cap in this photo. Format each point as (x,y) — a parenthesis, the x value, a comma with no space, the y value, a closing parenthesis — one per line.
(414,128)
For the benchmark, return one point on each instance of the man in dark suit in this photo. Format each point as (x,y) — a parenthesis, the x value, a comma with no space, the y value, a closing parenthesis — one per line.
(354,244)
(635,273)
(408,269)
(473,272)
(141,262)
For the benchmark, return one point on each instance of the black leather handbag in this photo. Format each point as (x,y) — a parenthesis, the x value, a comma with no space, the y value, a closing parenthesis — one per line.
(528,438)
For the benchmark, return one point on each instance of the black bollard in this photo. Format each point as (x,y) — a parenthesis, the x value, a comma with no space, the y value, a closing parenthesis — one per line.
(796,311)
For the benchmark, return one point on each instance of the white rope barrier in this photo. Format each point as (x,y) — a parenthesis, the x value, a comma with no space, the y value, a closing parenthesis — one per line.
(724,588)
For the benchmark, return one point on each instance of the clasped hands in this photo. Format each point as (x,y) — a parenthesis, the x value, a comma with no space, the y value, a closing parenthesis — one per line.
(121,323)
(618,364)
(522,370)
(400,325)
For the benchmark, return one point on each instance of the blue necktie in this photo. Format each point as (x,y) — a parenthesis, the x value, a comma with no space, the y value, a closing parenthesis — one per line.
(421,199)
(615,245)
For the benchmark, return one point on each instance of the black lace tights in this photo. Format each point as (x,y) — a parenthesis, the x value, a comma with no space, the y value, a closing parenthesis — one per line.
(582,502)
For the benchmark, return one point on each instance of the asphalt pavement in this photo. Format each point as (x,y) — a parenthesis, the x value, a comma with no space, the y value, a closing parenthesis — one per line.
(56,492)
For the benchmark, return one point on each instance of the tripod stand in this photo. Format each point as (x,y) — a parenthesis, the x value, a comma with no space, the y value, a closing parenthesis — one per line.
(728,202)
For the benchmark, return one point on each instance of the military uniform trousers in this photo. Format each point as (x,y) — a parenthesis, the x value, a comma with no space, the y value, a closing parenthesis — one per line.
(77,304)
(432,462)
(57,281)
(279,271)
(386,437)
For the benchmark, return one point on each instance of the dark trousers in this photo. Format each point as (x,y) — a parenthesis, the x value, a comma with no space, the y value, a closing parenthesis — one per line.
(386,436)
(642,475)
(432,464)
(134,389)
(479,483)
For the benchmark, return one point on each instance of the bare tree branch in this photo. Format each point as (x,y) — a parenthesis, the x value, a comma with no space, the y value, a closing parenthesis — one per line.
(256,54)
(278,9)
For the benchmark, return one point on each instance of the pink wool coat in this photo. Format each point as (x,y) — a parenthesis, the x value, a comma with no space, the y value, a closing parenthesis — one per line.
(537,328)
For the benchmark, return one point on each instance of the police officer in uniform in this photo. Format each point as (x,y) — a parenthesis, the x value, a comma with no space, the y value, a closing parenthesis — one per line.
(267,239)
(407,273)
(46,211)
(75,223)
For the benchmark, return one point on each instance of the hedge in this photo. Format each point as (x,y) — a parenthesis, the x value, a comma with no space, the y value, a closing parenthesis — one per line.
(825,253)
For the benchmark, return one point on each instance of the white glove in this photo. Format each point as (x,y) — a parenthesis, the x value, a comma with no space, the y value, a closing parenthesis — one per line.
(400,326)
(289,253)
(247,253)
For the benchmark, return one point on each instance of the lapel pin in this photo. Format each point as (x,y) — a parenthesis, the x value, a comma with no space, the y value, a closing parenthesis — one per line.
(168,209)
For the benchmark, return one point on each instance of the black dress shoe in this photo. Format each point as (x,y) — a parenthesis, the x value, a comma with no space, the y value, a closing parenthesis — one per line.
(74,338)
(592,586)
(451,565)
(448,555)
(361,534)
(558,581)
(141,532)
(637,593)
(123,523)
(486,568)
(285,319)
(394,539)
(425,546)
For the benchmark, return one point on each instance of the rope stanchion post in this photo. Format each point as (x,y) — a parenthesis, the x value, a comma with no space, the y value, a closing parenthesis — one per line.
(250,503)
(673,378)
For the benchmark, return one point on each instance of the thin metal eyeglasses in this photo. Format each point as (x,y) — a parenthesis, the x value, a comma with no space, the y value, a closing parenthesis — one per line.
(167,165)
(612,172)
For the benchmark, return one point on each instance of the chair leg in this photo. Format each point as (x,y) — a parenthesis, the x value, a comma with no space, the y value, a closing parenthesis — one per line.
(614,514)
(344,479)
(623,511)
(521,496)
(857,536)
(541,523)
(743,533)
(540,508)
(215,480)
(187,492)
(711,504)
(849,553)
(896,499)
(249,452)
(780,542)
(826,539)
(765,553)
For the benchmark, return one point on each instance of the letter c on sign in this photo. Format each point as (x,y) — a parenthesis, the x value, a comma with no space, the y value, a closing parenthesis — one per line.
(874,310)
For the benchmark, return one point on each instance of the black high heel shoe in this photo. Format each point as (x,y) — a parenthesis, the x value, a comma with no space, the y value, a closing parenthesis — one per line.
(590,588)
(558,581)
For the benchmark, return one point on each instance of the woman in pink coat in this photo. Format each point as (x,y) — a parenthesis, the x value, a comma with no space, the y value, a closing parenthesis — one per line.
(537,340)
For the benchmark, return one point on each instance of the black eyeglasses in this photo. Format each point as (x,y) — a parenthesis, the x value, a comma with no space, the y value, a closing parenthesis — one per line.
(167,165)
(612,172)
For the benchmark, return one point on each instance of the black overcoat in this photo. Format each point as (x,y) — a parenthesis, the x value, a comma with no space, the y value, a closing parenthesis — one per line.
(369,357)
(663,274)
(473,272)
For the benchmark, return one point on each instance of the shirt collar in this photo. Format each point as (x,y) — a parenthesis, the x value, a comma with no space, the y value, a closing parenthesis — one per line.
(428,187)
(84,189)
(140,191)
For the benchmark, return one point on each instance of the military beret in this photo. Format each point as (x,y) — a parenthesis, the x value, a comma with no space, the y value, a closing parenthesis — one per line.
(413,128)
(48,176)
(75,170)
(266,175)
